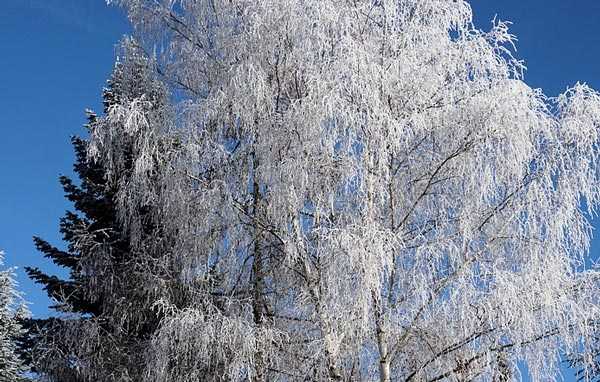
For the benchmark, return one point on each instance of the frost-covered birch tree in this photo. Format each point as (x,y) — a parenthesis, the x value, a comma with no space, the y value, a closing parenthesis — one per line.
(12,312)
(359,190)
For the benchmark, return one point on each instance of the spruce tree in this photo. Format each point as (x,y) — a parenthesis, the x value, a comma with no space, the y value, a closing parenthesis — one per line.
(93,202)
(104,321)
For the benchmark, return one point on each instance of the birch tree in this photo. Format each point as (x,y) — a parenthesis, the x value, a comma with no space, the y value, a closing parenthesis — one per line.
(359,190)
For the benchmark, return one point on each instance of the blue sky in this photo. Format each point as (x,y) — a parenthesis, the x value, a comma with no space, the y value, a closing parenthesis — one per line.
(57,55)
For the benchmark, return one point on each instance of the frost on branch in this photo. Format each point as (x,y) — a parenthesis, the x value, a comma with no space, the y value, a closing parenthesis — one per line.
(366,189)
(117,267)
(220,347)
(11,316)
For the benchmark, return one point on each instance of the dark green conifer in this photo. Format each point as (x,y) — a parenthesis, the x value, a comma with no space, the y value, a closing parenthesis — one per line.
(97,339)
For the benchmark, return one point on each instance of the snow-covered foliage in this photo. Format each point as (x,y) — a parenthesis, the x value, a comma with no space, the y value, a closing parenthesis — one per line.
(356,190)
(12,311)
(108,313)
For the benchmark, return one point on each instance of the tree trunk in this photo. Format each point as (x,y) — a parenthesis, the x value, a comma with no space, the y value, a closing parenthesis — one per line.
(384,356)
(258,286)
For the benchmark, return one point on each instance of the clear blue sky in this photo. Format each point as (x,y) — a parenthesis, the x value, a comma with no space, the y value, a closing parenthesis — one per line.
(57,55)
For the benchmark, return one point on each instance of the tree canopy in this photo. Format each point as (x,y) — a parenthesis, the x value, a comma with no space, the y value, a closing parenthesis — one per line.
(347,190)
